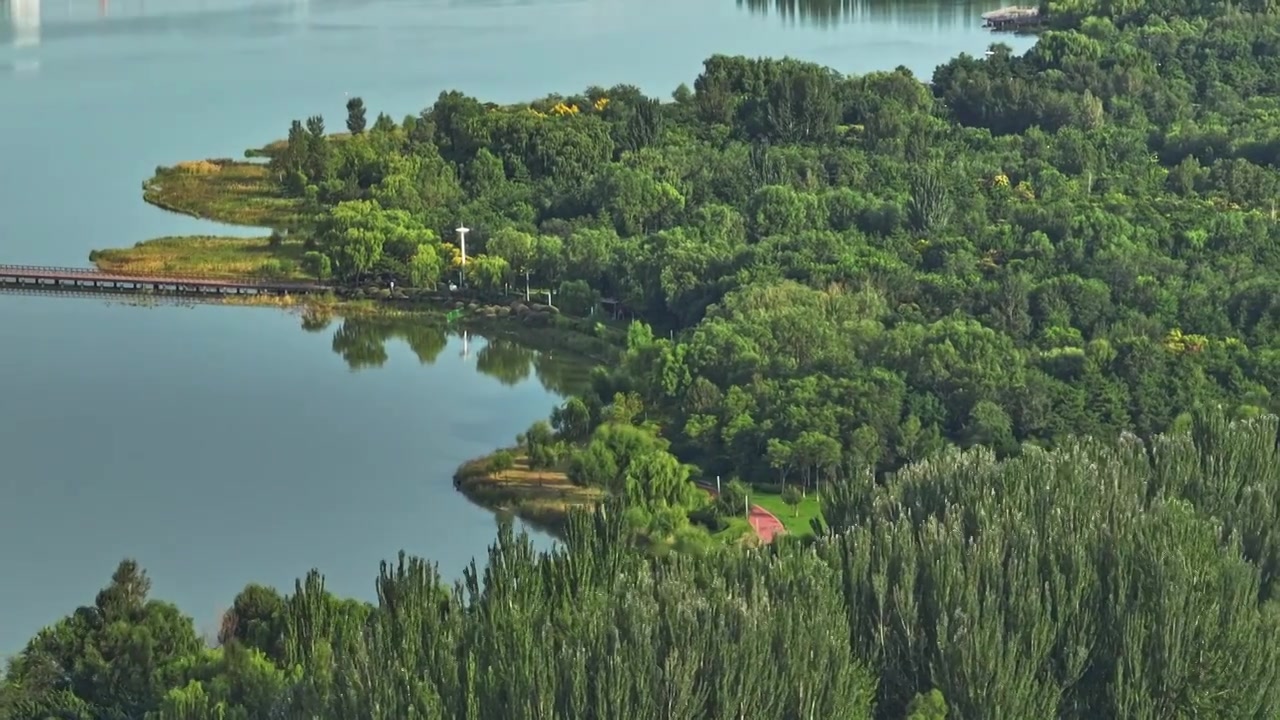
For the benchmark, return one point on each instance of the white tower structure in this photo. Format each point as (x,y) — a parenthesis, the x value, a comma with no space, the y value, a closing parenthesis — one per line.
(25,17)
(462,243)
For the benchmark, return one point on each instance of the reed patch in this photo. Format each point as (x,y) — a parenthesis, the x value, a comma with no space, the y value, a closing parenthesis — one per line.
(227,191)
(203,255)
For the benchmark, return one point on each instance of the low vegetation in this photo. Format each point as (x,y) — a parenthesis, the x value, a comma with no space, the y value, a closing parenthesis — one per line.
(227,191)
(1060,584)
(798,516)
(504,482)
(230,257)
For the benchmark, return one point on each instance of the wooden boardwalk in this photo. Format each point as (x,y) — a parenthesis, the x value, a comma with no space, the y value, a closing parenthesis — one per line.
(33,277)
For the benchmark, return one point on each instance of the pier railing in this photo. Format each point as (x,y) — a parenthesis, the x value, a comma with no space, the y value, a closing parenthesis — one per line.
(47,268)
(169,278)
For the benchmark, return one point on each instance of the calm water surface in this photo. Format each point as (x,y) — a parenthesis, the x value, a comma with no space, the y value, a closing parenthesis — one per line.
(223,445)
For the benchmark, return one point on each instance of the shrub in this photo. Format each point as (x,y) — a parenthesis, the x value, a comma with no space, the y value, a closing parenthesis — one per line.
(501,460)
(792,497)
(709,517)
(198,167)
(576,297)
(275,269)
(317,265)
(733,499)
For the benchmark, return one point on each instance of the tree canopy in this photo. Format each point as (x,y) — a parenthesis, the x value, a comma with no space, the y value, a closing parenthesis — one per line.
(1077,241)
(1017,326)
(1102,579)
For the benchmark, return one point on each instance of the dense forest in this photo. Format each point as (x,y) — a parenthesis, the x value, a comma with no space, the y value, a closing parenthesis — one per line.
(1104,579)
(918,299)
(1079,241)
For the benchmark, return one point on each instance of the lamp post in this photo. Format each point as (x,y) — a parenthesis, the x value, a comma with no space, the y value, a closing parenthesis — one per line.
(462,242)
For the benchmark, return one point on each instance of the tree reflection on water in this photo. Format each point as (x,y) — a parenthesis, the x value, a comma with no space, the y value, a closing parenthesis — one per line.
(831,13)
(362,344)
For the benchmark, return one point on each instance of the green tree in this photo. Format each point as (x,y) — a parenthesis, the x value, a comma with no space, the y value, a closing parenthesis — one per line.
(355,116)
(928,207)
(657,479)
(318,265)
(115,658)
(792,496)
(539,444)
(486,272)
(734,498)
(426,266)
(927,706)
(572,421)
(518,249)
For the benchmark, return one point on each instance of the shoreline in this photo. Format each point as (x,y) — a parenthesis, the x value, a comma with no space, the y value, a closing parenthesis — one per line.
(242,193)
(224,190)
(503,482)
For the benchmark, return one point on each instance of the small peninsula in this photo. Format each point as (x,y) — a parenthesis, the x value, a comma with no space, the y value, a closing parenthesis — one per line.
(830,273)
(372,251)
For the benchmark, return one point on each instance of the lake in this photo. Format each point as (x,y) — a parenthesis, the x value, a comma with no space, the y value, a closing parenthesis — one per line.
(224,445)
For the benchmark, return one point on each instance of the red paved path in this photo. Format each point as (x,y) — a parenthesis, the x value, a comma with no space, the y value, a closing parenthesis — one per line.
(765,524)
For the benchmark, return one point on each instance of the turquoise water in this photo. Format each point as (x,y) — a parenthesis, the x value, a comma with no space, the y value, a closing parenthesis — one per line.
(226,445)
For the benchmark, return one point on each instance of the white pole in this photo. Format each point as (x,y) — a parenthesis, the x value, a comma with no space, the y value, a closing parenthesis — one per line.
(462,241)
(717,484)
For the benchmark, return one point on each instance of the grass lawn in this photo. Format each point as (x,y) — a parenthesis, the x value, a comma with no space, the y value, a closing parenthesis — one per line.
(202,255)
(795,520)
(737,531)
(238,193)
(542,498)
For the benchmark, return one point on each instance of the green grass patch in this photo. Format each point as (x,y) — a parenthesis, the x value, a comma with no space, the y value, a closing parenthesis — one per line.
(737,531)
(206,256)
(795,519)
(237,193)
